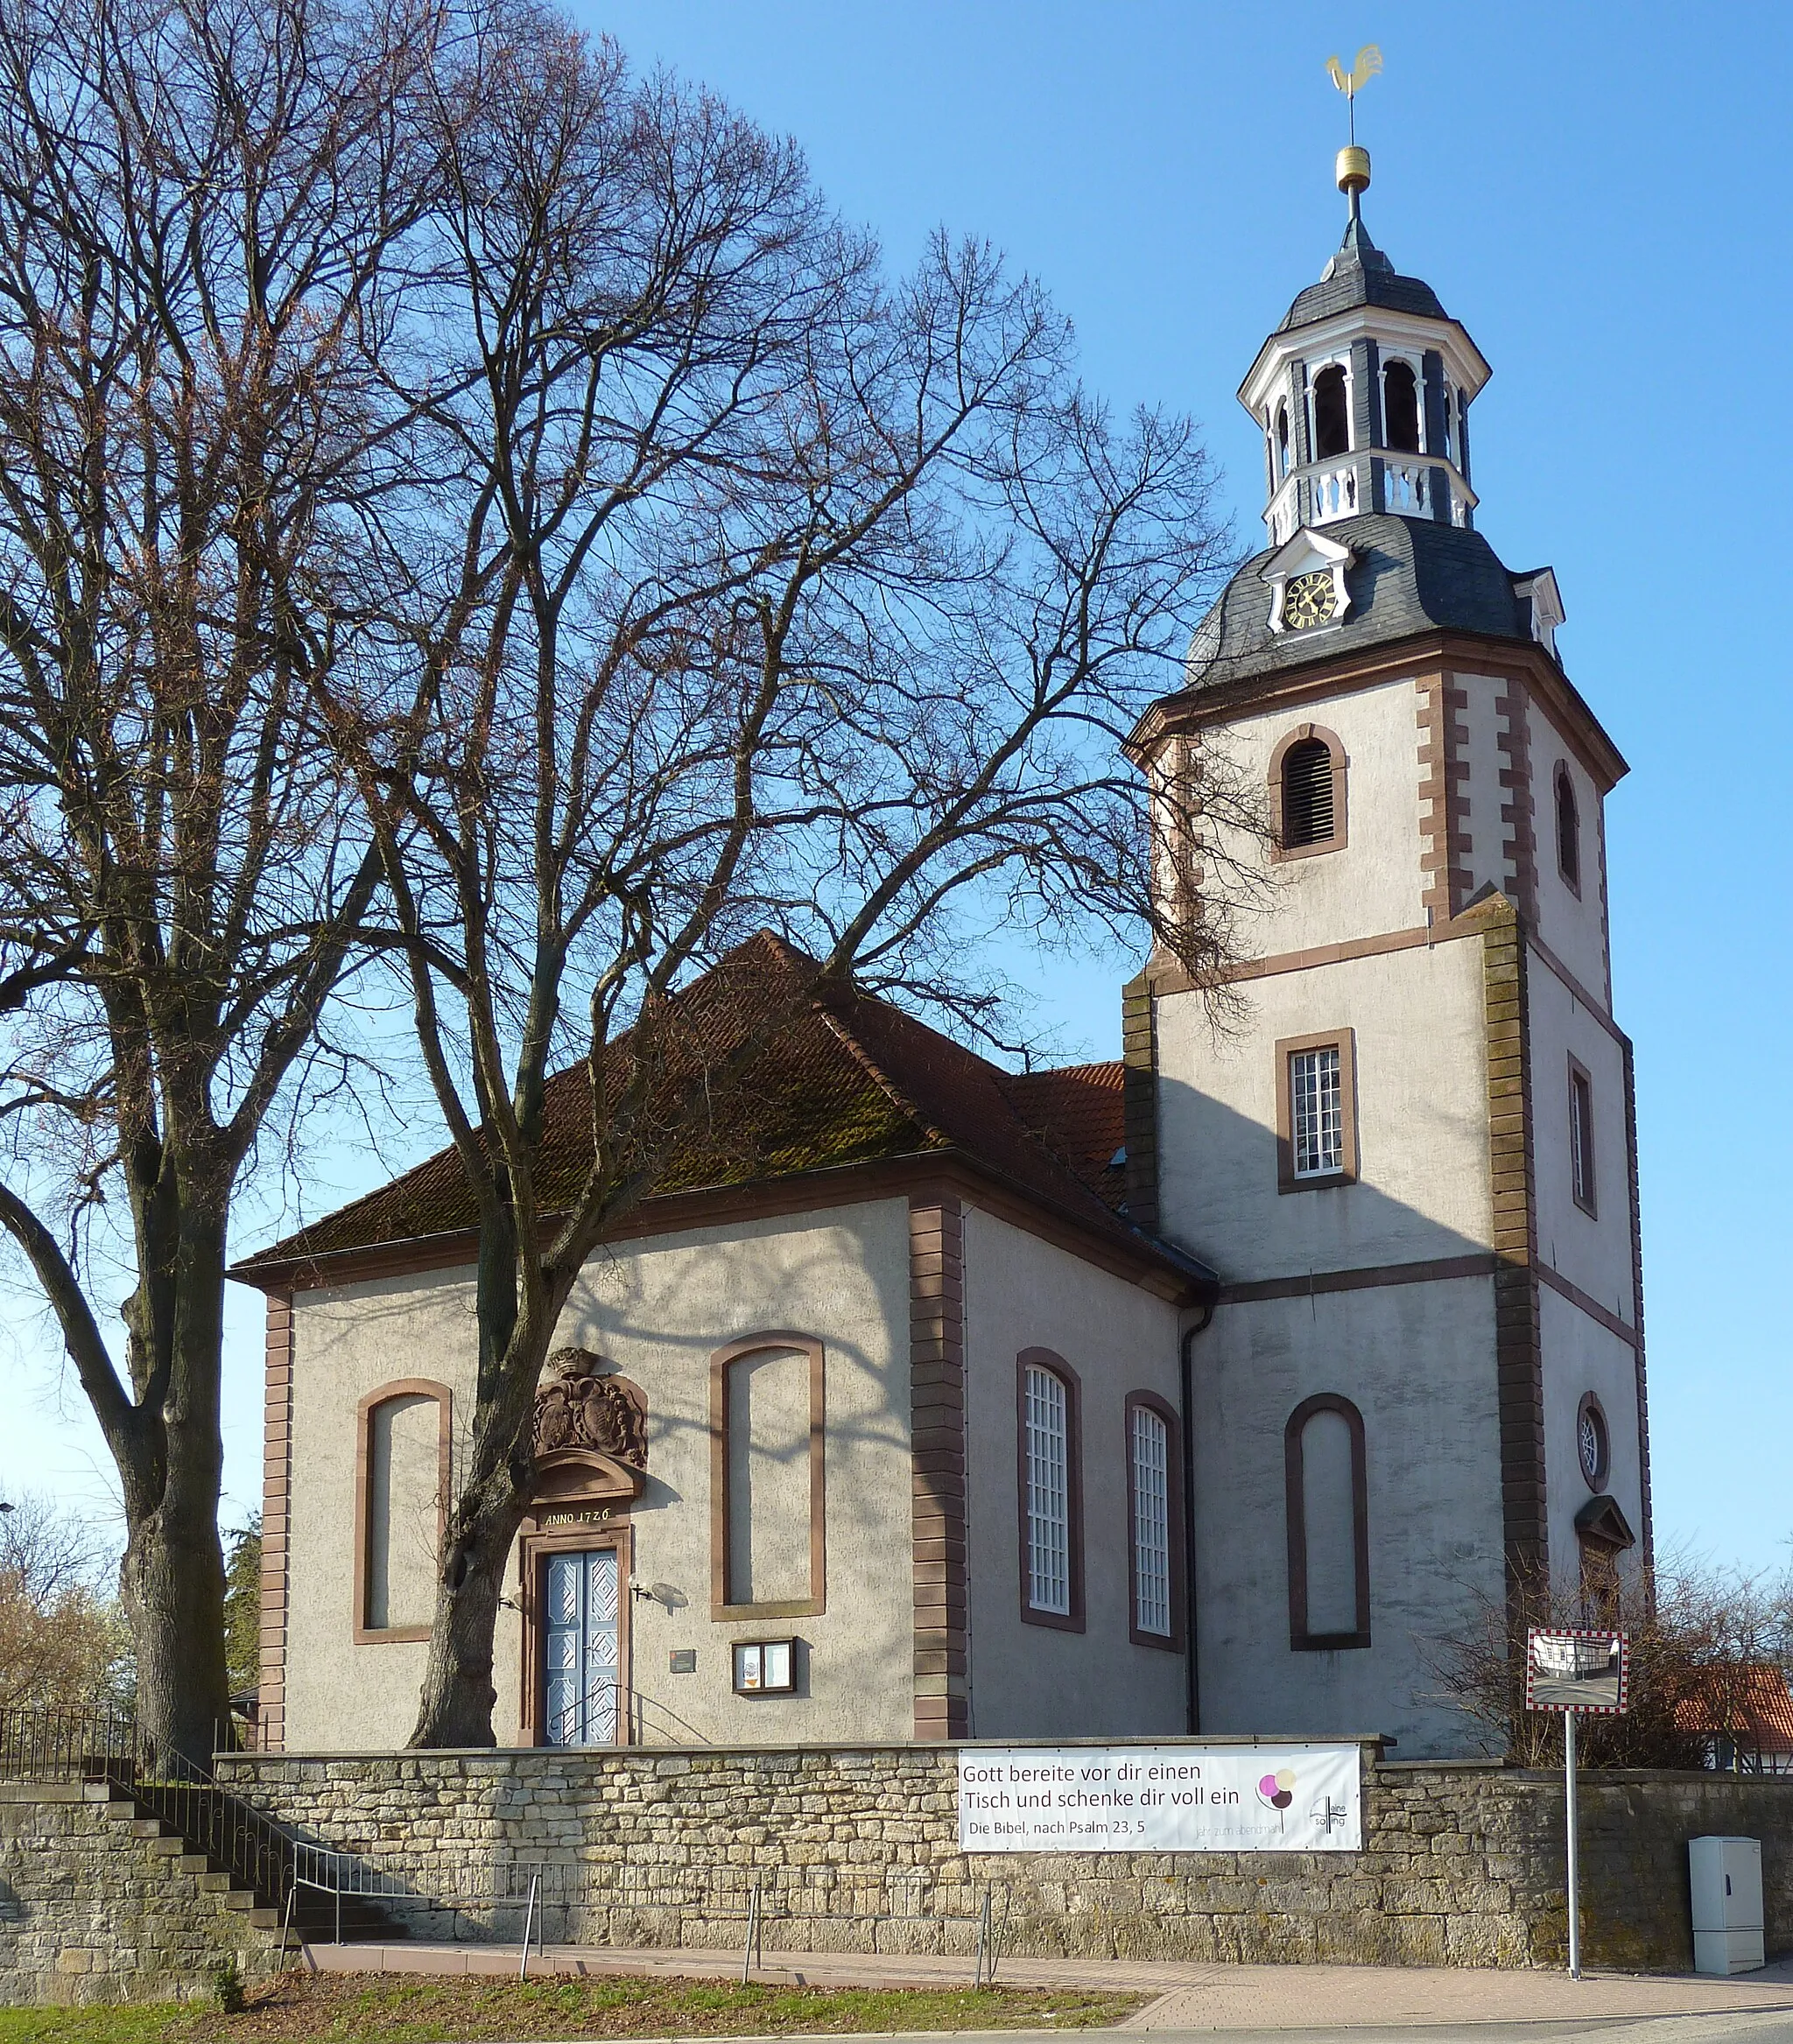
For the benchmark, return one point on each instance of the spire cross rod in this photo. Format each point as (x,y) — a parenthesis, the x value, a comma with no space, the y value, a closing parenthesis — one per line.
(1364,66)
(1354,162)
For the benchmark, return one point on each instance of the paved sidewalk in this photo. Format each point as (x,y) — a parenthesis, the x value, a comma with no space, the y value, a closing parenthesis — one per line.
(1188,1996)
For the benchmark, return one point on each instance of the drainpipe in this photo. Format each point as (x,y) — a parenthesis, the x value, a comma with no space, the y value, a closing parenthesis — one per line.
(1192,1668)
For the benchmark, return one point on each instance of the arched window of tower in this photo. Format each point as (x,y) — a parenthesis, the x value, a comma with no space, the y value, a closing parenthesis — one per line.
(1401,407)
(1282,441)
(1568,830)
(1332,414)
(1308,808)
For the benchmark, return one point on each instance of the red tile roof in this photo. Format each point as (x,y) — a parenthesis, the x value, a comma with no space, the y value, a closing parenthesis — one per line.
(835,1079)
(1747,1703)
(1077,1111)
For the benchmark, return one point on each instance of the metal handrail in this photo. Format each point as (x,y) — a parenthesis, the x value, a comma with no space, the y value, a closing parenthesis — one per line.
(110,1747)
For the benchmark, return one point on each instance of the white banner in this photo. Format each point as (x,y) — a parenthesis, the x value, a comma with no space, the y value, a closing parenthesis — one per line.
(1160,1798)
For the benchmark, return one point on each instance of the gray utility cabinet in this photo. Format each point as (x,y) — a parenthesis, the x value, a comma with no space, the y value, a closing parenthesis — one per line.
(1726,1877)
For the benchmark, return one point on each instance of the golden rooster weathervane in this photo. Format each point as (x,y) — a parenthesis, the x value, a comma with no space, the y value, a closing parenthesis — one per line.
(1354,162)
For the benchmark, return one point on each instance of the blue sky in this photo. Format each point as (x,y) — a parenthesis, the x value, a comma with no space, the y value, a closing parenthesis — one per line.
(1598,193)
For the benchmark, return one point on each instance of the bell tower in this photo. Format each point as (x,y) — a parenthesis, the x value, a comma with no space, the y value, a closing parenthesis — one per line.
(1412,1158)
(1363,392)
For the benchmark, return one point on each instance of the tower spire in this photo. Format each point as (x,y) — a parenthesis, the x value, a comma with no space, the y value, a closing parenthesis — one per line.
(1351,169)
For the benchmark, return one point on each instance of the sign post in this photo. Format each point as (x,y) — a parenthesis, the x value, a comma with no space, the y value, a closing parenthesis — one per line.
(1574,1827)
(1580,1673)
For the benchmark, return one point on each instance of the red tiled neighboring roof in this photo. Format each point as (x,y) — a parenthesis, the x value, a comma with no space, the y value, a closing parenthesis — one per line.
(842,1080)
(1748,1703)
(1078,1111)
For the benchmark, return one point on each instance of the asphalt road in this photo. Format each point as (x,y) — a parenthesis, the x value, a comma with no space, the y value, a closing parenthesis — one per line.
(1767,2026)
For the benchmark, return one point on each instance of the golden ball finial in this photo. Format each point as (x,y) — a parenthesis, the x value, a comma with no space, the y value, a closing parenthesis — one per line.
(1352,170)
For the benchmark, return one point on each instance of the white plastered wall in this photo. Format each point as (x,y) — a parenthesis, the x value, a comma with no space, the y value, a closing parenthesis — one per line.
(348,1340)
(1574,927)
(1580,1356)
(656,1311)
(1593,1251)
(1417,1361)
(1373,884)
(1422,1115)
(1034,1681)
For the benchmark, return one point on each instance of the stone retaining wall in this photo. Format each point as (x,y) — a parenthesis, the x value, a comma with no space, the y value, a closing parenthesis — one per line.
(857,1848)
(95,1906)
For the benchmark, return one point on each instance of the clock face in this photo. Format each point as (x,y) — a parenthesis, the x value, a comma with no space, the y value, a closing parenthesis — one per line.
(1308,600)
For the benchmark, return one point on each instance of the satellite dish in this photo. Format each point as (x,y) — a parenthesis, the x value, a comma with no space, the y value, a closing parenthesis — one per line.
(667,1593)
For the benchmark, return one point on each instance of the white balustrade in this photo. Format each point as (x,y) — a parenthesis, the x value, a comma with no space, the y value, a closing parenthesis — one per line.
(1409,487)
(1412,486)
(1334,493)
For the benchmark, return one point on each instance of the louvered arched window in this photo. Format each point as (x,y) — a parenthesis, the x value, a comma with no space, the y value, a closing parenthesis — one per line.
(1307,792)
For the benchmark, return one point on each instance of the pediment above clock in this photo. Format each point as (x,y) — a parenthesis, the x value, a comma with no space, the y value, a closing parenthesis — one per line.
(1303,559)
(1303,553)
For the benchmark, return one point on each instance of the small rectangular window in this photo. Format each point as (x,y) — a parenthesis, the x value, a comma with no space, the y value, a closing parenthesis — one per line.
(1581,1173)
(1316,1112)
(1316,1116)
(1151,1522)
(766,1667)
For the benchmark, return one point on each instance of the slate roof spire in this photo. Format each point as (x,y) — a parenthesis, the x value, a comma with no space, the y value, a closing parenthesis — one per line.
(1362,392)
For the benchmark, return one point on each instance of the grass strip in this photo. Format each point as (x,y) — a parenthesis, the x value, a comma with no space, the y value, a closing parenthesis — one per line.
(347,2009)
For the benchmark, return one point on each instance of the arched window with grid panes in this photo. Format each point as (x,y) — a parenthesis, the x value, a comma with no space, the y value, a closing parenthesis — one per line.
(1156,1589)
(1048,1428)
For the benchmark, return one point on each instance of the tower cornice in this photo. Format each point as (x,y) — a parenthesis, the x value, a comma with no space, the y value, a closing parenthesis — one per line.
(1190,712)
(1335,332)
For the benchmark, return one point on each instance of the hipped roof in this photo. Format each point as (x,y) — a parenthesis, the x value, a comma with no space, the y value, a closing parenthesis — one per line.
(835,1079)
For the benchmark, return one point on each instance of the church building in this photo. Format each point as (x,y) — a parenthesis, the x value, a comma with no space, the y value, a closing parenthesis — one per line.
(1204,1391)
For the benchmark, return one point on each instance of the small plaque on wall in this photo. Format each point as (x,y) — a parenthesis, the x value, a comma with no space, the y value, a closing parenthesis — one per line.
(682,1660)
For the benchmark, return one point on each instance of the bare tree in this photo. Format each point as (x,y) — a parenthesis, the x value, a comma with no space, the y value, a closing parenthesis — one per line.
(198,204)
(750,590)
(63,1642)
(1698,1638)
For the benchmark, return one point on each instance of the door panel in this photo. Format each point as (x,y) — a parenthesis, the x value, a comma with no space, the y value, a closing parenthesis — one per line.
(583,1648)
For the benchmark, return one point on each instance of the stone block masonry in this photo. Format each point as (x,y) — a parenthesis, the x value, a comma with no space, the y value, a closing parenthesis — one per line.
(857,1848)
(95,1906)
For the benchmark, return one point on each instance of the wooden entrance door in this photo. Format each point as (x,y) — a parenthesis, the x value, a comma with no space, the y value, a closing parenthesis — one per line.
(581,1636)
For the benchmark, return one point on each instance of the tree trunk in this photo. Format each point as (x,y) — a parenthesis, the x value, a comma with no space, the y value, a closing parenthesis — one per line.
(515,1320)
(173,1583)
(456,1709)
(171,1579)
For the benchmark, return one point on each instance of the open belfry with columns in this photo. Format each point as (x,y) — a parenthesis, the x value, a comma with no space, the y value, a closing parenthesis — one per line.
(1205,1390)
